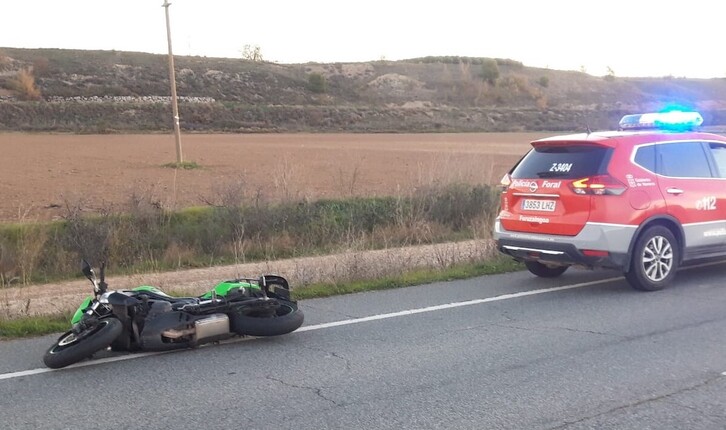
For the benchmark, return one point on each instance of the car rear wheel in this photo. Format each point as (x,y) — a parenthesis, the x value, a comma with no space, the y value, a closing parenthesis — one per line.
(655,260)
(543,270)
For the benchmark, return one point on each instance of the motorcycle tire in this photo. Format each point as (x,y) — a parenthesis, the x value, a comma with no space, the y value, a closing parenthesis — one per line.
(71,348)
(286,319)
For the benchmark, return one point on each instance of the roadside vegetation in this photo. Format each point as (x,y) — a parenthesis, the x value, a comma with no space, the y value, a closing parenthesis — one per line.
(144,237)
(34,325)
(27,326)
(234,228)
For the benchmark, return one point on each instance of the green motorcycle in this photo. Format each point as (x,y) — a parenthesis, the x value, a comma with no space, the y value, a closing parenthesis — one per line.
(147,319)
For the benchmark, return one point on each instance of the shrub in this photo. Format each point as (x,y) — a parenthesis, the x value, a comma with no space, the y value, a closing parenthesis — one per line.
(489,71)
(24,85)
(544,82)
(41,66)
(252,53)
(610,76)
(317,83)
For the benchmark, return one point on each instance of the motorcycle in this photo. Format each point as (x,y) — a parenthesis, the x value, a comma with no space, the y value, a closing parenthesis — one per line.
(147,319)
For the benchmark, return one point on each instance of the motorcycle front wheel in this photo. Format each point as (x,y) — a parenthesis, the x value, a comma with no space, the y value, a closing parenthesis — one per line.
(287,318)
(71,347)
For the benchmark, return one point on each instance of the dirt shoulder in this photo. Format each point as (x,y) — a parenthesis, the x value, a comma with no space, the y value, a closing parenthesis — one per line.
(45,299)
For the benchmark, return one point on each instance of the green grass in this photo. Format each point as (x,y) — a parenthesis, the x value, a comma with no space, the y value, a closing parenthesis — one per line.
(410,278)
(186,165)
(38,326)
(34,326)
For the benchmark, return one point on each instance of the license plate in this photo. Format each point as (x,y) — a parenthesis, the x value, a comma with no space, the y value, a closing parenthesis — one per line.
(539,205)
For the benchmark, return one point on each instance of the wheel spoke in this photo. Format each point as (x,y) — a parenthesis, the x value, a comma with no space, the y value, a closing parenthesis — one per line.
(650,270)
(662,273)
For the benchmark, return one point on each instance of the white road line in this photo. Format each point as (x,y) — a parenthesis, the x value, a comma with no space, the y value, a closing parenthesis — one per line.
(83,364)
(331,324)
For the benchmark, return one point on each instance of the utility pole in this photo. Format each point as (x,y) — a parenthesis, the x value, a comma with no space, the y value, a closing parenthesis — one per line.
(172,82)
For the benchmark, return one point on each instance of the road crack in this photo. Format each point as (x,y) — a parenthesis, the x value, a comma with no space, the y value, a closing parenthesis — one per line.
(555,328)
(332,354)
(666,396)
(315,390)
(720,417)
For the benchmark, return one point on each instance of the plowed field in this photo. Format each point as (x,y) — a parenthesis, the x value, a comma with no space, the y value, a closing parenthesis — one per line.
(43,174)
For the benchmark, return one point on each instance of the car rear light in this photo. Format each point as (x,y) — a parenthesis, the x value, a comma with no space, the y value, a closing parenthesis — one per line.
(598,185)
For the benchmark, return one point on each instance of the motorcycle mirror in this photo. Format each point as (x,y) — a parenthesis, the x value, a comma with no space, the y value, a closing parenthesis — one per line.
(87,270)
(103,286)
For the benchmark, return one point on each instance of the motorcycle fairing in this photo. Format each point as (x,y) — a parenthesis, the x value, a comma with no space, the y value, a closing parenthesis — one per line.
(224,288)
(151,289)
(81,309)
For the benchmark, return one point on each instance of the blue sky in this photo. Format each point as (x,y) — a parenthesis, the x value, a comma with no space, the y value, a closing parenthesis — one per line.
(633,38)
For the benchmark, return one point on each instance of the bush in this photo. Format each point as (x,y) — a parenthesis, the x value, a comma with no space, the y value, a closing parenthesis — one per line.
(489,71)
(317,83)
(454,59)
(544,82)
(24,85)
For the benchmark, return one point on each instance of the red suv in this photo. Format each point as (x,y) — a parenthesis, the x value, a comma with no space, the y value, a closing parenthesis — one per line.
(643,199)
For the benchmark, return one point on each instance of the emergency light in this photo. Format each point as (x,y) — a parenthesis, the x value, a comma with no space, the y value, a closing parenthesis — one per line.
(673,120)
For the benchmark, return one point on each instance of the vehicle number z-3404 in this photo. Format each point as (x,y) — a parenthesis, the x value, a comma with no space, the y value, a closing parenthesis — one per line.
(539,205)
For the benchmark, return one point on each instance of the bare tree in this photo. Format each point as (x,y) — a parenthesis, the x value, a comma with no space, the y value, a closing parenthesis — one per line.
(252,53)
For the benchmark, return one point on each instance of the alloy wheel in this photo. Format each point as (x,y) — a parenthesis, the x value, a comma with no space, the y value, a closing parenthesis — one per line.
(657,258)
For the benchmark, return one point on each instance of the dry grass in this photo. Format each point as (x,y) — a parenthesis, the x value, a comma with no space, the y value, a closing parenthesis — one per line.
(347,266)
(24,85)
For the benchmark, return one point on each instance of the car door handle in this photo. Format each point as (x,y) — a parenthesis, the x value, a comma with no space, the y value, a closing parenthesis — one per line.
(674,191)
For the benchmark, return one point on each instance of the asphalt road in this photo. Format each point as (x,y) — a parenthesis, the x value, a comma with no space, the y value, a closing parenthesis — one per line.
(508,351)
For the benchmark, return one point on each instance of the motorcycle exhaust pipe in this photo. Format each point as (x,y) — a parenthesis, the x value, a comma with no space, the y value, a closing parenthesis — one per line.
(213,326)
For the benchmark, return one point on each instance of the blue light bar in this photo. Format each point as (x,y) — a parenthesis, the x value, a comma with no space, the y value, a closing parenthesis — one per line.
(673,120)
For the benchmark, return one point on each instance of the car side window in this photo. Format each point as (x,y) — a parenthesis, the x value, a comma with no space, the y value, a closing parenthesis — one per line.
(718,151)
(682,160)
(645,157)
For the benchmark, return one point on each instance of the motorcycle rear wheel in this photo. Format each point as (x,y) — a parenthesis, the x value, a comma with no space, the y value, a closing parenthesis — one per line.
(287,318)
(71,348)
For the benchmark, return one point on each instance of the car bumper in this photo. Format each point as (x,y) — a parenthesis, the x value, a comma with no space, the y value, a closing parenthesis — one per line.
(615,239)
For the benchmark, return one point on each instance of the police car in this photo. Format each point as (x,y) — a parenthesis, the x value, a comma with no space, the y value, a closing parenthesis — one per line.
(644,199)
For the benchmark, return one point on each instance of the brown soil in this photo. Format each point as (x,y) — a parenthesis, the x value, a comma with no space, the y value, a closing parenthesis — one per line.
(41,173)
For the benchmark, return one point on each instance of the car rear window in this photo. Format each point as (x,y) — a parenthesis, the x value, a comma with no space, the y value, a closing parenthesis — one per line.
(559,161)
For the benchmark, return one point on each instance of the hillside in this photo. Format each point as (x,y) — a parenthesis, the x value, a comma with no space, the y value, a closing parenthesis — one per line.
(111,91)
